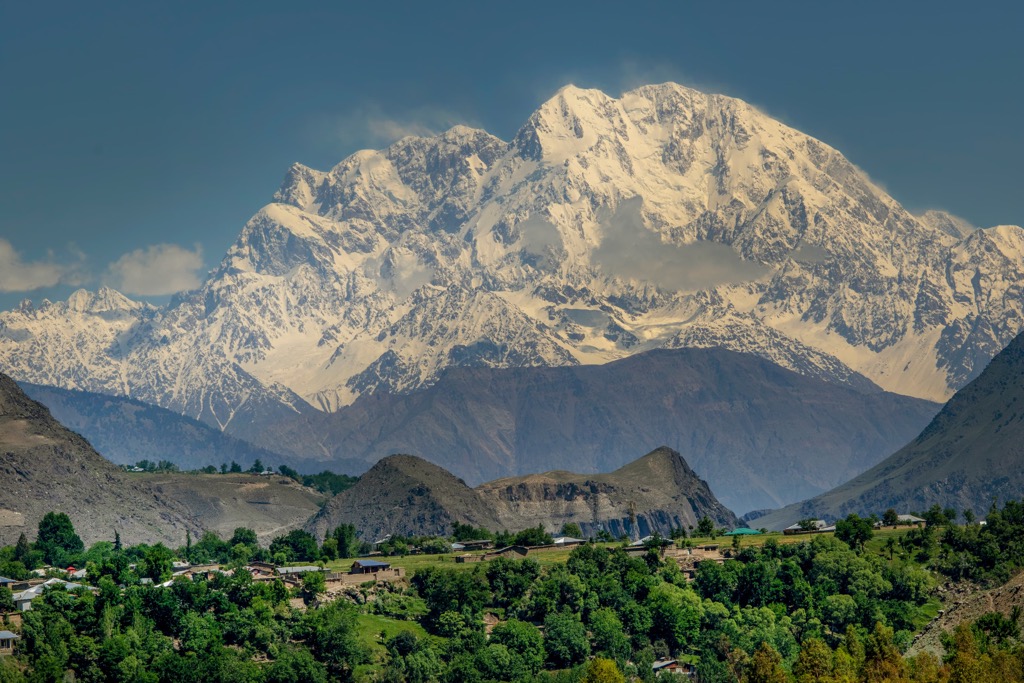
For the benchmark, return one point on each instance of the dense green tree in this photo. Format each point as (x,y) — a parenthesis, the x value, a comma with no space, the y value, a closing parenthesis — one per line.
(609,635)
(571,529)
(24,553)
(565,639)
(524,643)
(57,540)
(601,670)
(705,527)
(855,531)
(346,538)
(450,591)
(814,663)
(766,666)
(468,532)
(330,633)
(156,564)
(533,536)
(313,584)
(510,580)
(297,546)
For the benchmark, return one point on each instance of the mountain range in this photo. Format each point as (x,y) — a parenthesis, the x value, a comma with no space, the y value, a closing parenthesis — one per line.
(969,456)
(761,435)
(605,228)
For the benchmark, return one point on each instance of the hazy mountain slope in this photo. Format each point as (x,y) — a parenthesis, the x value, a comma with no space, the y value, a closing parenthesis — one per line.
(405,495)
(45,467)
(759,434)
(971,454)
(269,505)
(606,227)
(126,431)
(656,493)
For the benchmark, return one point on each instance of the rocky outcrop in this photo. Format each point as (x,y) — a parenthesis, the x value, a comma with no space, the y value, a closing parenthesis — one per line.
(655,494)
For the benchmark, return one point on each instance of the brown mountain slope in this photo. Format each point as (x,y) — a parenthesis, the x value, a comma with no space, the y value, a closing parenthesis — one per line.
(269,505)
(46,467)
(403,494)
(659,491)
(970,454)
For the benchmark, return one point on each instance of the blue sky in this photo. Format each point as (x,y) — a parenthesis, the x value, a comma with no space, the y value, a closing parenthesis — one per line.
(137,138)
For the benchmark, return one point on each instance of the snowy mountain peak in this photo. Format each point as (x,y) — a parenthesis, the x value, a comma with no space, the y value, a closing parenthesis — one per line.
(103,300)
(664,218)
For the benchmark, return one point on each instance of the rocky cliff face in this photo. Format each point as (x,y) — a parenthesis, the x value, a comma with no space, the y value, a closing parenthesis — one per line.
(44,467)
(607,227)
(655,494)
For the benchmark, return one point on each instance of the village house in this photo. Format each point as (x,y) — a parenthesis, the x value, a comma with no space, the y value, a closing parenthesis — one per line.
(368,566)
(817,526)
(23,599)
(7,642)
(674,667)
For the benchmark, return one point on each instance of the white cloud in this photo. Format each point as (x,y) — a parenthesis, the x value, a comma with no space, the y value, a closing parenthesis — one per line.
(156,270)
(19,276)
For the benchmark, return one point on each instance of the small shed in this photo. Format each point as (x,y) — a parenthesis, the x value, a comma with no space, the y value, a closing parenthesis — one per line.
(568,540)
(368,567)
(7,639)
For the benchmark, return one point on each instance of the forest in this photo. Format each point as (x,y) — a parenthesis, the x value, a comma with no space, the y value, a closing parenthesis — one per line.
(830,608)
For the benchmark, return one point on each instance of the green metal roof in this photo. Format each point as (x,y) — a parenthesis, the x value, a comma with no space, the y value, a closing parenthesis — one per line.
(742,531)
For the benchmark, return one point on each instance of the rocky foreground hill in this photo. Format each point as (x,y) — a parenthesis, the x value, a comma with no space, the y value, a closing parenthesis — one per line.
(664,218)
(970,455)
(45,467)
(404,494)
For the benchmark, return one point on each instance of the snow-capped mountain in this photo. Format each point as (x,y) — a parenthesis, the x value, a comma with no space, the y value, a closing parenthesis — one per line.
(665,218)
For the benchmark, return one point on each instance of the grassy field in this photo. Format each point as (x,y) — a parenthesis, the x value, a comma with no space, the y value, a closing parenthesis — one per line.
(373,630)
